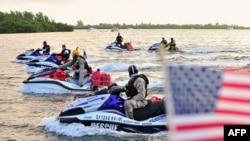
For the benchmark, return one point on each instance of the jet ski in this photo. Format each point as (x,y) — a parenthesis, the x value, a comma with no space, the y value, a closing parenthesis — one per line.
(114,47)
(104,109)
(47,61)
(50,80)
(155,47)
(28,55)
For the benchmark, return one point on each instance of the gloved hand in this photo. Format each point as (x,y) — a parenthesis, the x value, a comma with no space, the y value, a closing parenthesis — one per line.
(126,88)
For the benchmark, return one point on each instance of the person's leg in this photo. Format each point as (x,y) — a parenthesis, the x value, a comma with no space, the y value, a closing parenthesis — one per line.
(129,107)
(87,79)
(72,80)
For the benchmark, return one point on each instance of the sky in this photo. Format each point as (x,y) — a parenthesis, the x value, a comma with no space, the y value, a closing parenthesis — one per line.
(136,11)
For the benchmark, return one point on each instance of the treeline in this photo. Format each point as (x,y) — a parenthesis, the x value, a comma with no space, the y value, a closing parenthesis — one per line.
(27,22)
(160,26)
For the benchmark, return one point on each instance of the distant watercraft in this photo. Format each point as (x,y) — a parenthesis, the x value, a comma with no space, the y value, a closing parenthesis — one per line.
(156,46)
(114,47)
(115,29)
(91,29)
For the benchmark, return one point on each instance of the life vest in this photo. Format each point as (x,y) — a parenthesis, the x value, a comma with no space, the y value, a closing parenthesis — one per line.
(167,47)
(77,66)
(65,53)
(131,90)
(46,49)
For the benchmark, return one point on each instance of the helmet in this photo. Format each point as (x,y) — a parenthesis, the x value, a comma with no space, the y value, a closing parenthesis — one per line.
(132,70)
(76,52)
(44,42)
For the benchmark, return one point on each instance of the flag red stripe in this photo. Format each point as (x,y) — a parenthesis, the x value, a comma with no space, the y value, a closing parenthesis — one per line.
(199,126)
(232,112)
(236,85)
(237,71)
(235,100)
(208,139)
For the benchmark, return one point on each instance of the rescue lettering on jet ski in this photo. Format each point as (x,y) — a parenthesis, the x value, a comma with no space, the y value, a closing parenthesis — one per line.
(107,118)
(104,125)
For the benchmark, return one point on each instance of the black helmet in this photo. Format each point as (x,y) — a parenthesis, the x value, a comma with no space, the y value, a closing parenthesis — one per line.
(132,70)
(44,42)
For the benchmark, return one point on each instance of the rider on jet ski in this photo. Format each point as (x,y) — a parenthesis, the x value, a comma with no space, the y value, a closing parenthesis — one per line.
(136,89)
(81,67)
(45,49)
(119,40)
(65,53)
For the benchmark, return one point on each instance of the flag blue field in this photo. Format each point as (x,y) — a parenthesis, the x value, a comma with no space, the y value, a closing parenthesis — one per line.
(200,101)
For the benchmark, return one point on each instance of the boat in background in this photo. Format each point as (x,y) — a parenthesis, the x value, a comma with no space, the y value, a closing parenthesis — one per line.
(115,29)
(91,29)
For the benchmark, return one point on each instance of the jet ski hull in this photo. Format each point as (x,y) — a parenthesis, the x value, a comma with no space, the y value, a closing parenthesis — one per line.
(118,122)
(114,47)
(28,55)
(106,110)
(42,65)
(47,85)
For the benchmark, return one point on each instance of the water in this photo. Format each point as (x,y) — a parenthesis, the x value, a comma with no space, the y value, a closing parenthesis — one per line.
(32,117)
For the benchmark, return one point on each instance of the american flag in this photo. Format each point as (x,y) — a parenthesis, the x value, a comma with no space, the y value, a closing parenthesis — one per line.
(85,54)
(201,100)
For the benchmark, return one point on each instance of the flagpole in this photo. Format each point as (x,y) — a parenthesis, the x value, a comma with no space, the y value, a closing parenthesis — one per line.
(169,104)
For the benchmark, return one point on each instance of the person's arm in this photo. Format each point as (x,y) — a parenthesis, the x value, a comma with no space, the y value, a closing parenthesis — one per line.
(81,72)
(139,84)
(68,64)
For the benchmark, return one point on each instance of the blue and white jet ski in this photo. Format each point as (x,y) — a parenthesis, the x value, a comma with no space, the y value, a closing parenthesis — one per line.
(28,55)
(105,110)
(45,61)
(154,47)
(114,47)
